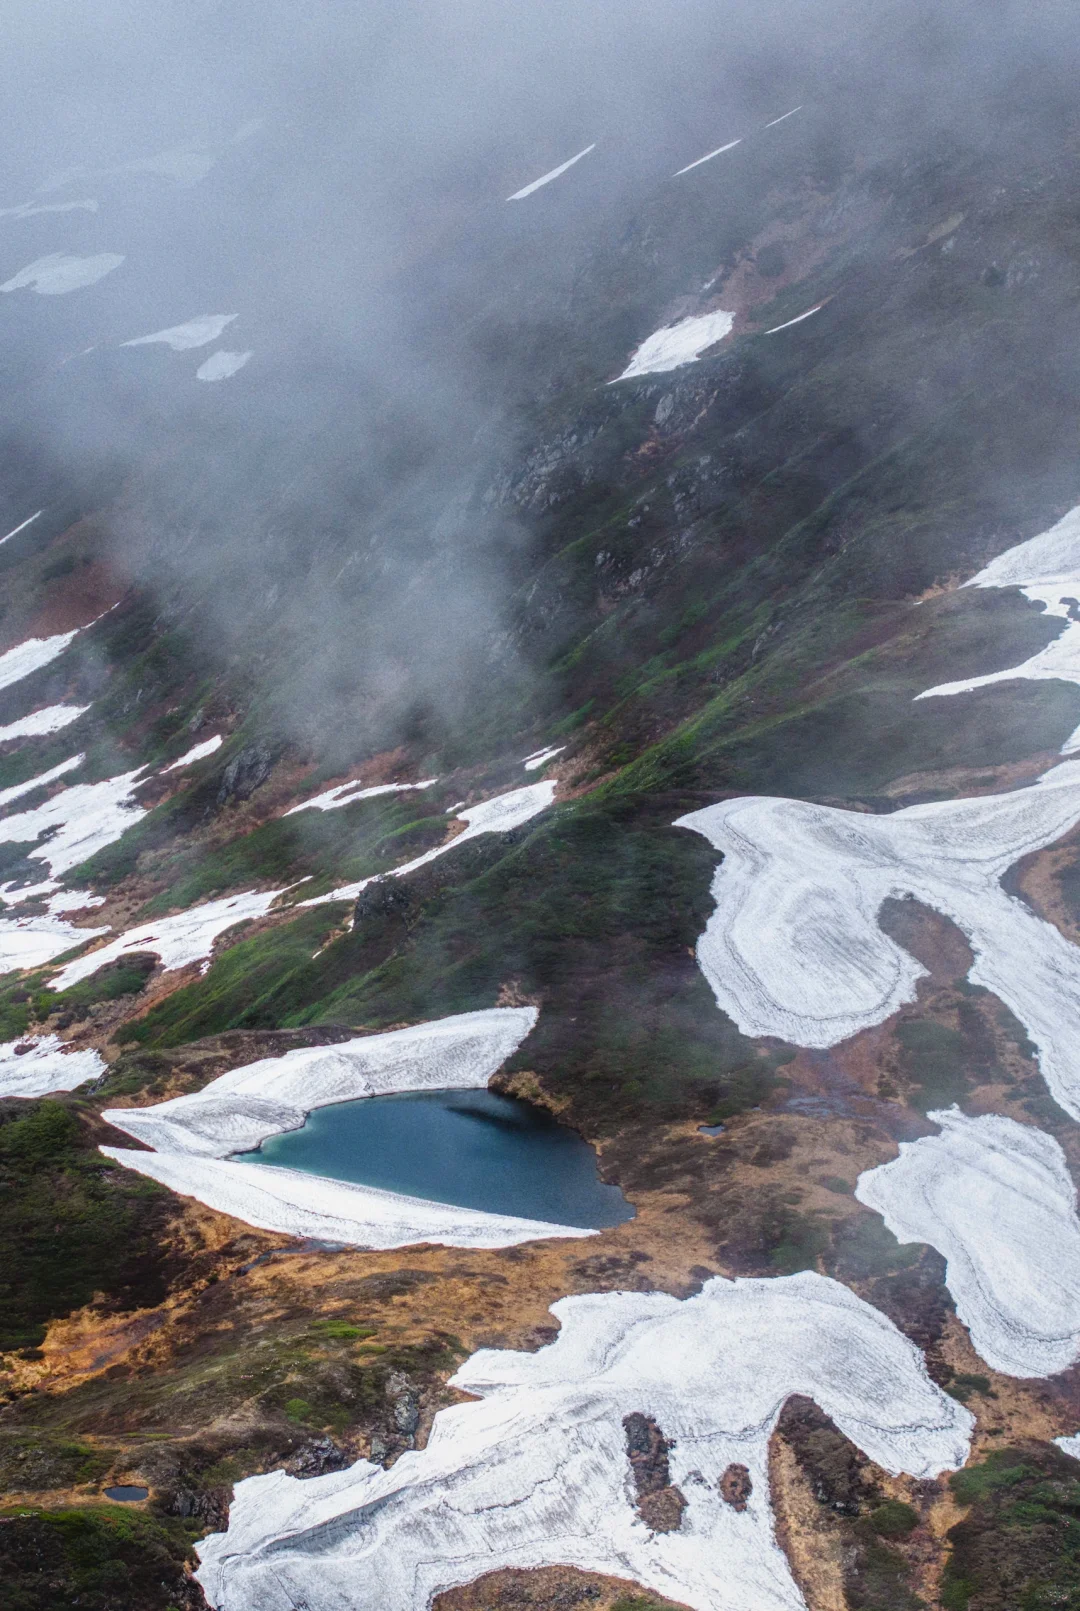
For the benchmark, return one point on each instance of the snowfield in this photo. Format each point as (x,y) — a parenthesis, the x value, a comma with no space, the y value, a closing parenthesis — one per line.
(346,793)
(794,949)
(798,319)
(56,274)
(996,1199)
(184,938)
(198,332)
(34,653)
(553,173)
(497,815)
(221,364)
(195,1134)
(45,1066)
(1046,569)
(536,1473)
(677,344)
(49,720)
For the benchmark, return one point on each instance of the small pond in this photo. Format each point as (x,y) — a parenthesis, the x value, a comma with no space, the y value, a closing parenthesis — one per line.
(127,1493)
(472,1148)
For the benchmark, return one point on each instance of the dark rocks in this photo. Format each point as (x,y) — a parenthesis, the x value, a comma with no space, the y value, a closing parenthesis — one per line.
(736,1486)
(315,1457)
(659,1503)
(246,772)
(209,1505)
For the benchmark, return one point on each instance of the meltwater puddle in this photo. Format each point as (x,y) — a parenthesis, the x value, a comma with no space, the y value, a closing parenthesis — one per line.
(471,1148)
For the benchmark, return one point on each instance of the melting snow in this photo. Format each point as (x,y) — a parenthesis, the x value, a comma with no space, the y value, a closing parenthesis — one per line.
(1046,569)
(499,815)
(678,344)
(184,337)
(221,364)
(49,720)
(178,940)
(346,793)
(708,157)
(996,1199)
(784,117)
(45,1066)
(239,1110)
(22,527)
(30,656)
(200,751)
(56,274)
(545,179)
(1071,1445)
(536,1473)
(793,948)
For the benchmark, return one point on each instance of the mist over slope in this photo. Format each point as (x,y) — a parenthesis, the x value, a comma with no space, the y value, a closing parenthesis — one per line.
(447,452)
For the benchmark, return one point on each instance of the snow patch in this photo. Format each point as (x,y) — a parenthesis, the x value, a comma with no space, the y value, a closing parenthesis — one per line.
(197,332)
(784,117)
(221,364)
(1071,1445)
(30,209)
(497,815)
(346,793)
(708,157)
(678,344)
(545,179)
(28,942)
(200,751)
(539,758)
(17,790)
(34,1067)
(294,1203)
(798,319)
(48,720)
(794,949)
(535,1473)
(34,653)
(240,1109)
(57,274)
(1046,569)
(21,527)
(996,1199)
(82,820)
(184,938)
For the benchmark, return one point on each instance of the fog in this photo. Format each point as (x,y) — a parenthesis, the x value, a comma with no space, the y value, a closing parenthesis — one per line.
(335,177)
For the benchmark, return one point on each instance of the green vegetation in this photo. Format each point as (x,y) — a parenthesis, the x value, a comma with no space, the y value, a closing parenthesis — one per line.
(595,912)
(1018,1549)
(97,1558)
(71,1224)
(894,1519)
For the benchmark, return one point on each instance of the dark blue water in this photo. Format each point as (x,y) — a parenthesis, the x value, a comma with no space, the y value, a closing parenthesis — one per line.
(472,1148)
(126,1493)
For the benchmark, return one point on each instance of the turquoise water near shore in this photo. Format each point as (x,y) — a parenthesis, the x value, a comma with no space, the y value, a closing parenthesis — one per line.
(472,1148)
